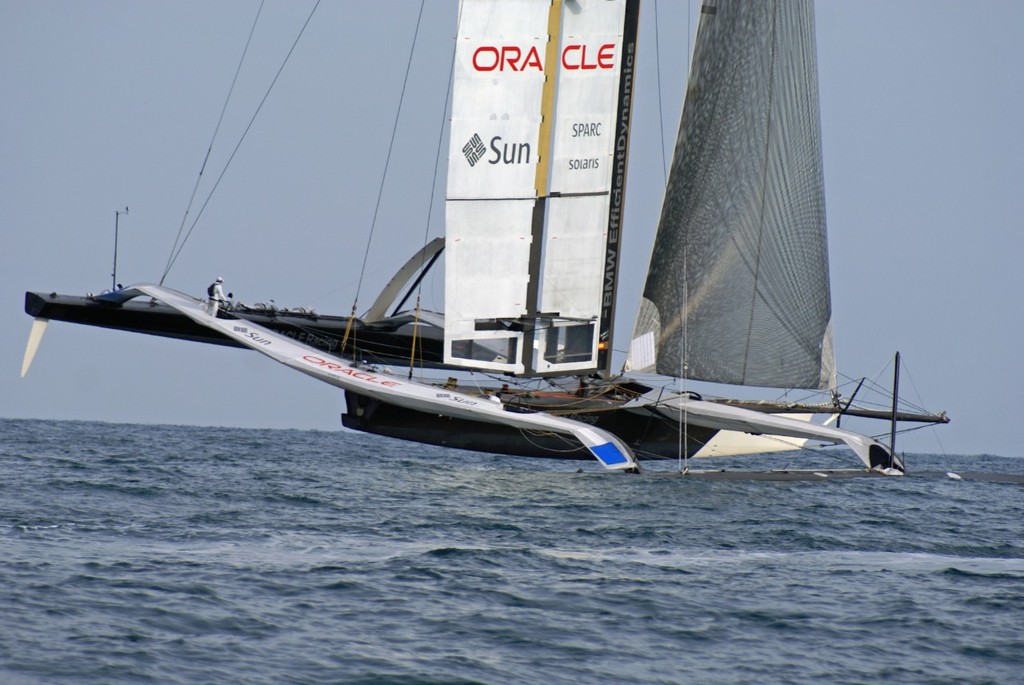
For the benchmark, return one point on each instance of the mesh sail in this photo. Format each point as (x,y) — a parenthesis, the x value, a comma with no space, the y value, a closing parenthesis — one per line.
(738,288)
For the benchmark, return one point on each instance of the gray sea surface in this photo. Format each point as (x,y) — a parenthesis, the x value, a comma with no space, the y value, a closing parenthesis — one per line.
(172,554)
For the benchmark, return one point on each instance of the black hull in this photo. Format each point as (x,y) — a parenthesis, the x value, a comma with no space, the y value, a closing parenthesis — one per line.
(387,342)
(650,436)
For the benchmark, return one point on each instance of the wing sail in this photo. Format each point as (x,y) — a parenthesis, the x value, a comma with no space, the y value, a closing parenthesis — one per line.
(536,172)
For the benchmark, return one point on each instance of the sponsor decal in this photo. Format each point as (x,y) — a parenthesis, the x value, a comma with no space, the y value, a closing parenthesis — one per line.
(251,335)
(501,152)
(509,153)
(257,338)
(575,57)
(455,398)
(506,58)
(311,339)
(586,129)
(474,149)
(515,58)
(581,164)
(343,370)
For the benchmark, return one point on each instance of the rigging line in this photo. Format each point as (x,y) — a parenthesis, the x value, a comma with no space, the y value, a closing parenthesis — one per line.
(904,403)
(849,402)
(240,140)
(684,465)
(430,204)
(909,429)
(573,447)
(920,399)
(213,138)
(661,108)
(686,353)
(415,331)
(440,141)
(383,177)
(387,161)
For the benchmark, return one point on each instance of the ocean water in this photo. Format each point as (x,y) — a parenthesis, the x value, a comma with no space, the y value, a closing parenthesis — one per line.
(169,554)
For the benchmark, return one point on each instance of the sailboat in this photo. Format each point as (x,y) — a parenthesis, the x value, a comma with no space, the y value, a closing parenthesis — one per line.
(737,291)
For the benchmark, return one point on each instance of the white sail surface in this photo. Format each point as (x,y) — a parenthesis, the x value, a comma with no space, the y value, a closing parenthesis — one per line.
(537,122)
(738,285)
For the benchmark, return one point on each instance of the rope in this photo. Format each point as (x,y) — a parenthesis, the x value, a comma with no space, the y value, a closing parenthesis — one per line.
(661,108)
(573,447)
(917,393)
(387,161)
(351,318)
(415,331)
(437,155)
(213,138)
(430,205)
(176,253)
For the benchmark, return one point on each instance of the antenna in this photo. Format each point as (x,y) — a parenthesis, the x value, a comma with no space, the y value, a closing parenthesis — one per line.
(113,274)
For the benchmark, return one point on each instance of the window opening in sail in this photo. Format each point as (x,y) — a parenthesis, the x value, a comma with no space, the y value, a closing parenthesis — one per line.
(569,344)
(490,350)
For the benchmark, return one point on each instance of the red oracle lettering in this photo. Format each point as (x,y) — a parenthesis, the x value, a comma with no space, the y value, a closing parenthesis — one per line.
(486,58)
(506,58)
(330,366)
(349,371)
(574,57)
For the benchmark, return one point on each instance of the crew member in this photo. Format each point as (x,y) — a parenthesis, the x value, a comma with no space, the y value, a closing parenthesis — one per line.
(216,293)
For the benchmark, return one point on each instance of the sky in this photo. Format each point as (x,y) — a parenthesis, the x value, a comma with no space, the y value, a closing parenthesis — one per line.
(113,104)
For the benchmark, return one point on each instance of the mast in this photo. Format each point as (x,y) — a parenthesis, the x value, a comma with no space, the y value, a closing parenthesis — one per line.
(618,189)
(541,188)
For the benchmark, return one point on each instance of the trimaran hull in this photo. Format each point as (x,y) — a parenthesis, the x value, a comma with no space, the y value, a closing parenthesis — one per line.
(390,343)
(636,418)
(546,222)
(650,436)
(393,389)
